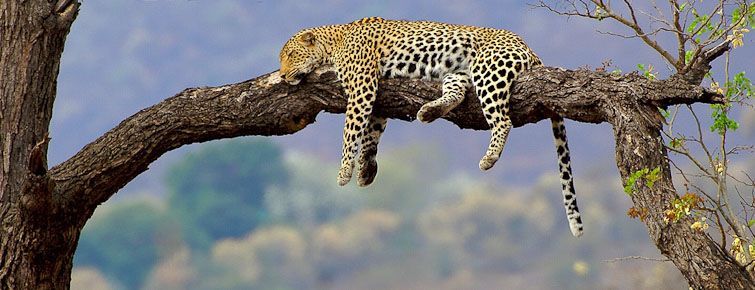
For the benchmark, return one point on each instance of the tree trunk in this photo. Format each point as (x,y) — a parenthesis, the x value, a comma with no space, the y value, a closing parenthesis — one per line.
(43,212)
(38,239)
(639,145)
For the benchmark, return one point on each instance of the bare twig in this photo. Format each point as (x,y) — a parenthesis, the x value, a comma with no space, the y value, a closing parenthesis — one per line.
(641,258)
(679,31)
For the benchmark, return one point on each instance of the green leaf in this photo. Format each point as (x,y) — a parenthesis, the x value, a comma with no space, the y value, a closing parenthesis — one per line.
(751,223)
(736,15)
(750,14)
(695,24)
(646,71)
(721,120)
(741,86)
(699,20)
(688,56)
(652,177)
(632,180)
(665,113)
(676,143)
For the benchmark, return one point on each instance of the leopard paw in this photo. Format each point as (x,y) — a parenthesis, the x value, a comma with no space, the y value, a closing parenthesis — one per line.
(367,173)
(344,175)
(429,113)
(487,162)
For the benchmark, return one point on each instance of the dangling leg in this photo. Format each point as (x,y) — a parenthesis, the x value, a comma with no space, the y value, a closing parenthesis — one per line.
(567,180)
(361,90)
(454,87)
(358,110)
(367,163)
(492,85)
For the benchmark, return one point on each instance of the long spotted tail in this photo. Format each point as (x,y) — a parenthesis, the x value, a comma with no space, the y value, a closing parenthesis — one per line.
(567,180)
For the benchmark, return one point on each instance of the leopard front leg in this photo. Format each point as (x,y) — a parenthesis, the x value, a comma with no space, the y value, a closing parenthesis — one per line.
(367,163)
(454,87)
(492,85)
(361,90)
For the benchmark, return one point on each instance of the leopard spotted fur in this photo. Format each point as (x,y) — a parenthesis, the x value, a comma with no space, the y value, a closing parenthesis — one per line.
(486,59)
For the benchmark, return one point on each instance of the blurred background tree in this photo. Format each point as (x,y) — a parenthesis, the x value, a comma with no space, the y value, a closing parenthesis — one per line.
(219,191)
(109,242)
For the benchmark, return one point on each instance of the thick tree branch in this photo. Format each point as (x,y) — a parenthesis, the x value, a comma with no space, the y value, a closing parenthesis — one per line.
(267,106)
(695,71)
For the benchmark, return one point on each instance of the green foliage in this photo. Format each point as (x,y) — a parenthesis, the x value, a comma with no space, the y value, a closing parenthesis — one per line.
(665,113)
(688,56)
(739,88)
(741,17)
(721,120)
(683,6)
(676,143)
(646,71)
(650,176)
(682,206)
(632,180)
(126,241)
(219,191)
(747,12)
(701,24)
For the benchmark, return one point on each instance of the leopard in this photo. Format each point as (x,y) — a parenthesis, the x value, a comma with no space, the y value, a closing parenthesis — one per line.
(461,57)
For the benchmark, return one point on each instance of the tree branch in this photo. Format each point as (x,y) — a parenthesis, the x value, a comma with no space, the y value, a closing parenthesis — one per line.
(634,25)
(267,106)
(692,69)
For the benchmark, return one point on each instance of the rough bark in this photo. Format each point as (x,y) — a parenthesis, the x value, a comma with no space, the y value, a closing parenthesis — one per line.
(37,240)
(42,212)
(639,145)
(267,106)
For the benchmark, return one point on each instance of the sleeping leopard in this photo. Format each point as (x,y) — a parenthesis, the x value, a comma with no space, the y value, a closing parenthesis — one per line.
(460,56)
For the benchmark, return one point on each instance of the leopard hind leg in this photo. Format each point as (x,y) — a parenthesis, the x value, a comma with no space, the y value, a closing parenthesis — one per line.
(454,87)
(492,85)
(367,162)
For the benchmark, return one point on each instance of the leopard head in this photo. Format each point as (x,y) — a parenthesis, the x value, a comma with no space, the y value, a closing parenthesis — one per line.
(299,56)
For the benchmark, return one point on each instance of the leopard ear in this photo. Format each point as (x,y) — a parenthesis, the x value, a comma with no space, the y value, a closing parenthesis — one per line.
(307,38)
